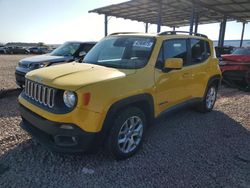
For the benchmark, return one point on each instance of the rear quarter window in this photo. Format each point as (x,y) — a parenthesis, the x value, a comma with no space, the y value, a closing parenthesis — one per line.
(200,51)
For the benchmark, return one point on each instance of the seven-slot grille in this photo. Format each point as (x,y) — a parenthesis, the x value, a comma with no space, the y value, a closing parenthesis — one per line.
(40,93)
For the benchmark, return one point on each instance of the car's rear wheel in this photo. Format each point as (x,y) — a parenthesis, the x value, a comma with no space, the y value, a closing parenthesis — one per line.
(209,99)
(126,135)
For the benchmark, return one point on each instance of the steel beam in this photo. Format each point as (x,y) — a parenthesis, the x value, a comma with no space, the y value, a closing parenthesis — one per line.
(219,39)
(215,9)
(222,32)
(191,27)
(159,16)
(146,28)
(242,34)
(105,25)
(233,3)
(196,23)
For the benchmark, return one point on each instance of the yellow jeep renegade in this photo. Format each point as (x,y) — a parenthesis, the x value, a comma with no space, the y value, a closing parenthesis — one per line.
(124,82)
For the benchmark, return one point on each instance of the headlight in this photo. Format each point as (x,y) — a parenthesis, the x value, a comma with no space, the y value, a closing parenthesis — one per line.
(38,65)
(69,99)
(41,65)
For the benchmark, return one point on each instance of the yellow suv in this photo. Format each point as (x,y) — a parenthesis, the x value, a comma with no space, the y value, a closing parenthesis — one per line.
(124,83)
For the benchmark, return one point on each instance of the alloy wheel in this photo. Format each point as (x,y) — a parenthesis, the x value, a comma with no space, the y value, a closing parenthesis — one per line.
(130,134)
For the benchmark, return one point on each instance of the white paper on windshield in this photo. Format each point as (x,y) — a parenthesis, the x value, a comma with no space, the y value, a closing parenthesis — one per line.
(143,44)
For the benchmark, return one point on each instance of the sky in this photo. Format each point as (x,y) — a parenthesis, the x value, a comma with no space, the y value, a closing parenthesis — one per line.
(57,21)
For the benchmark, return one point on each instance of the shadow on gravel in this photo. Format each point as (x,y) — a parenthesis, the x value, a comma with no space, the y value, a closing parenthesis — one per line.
(4,93)
(8,103)
(184,149)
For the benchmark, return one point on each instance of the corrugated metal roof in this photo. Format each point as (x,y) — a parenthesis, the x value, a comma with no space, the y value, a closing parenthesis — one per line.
(176,13)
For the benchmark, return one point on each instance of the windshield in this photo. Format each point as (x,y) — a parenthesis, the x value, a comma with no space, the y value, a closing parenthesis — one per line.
(66,49)
(125,52)
(241,51)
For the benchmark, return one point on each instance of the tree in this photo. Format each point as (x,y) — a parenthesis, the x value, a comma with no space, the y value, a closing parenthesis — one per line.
(41,44)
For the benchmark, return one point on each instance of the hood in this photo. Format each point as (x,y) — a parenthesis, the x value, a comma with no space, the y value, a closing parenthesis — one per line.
(236,58)
(72,76)
(45,58)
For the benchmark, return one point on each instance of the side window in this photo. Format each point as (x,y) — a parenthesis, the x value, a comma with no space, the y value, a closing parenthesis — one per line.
(208,51)
(87,47)
(174,48)
(200,51)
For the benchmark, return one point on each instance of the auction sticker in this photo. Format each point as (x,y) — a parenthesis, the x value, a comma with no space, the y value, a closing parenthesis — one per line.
(143,44)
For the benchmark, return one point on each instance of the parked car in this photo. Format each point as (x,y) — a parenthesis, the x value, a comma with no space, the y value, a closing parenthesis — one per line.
(16,50)
(39,50)
(223,50)
(123,84)
(2,50)
(68,52)
(235,67)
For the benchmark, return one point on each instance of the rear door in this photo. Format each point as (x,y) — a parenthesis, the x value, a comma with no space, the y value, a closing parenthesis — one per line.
(198,65)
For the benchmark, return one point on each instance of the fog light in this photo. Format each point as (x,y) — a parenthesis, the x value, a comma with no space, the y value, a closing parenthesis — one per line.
(68,127)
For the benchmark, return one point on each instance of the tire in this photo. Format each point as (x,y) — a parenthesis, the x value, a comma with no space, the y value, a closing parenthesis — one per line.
(128,129)
(209,99)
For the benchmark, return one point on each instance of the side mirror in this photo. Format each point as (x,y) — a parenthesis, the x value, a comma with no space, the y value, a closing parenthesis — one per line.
(82,53)
(173,64)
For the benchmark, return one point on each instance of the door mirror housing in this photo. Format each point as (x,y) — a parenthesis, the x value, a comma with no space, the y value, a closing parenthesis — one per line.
(173,64)
(82,53)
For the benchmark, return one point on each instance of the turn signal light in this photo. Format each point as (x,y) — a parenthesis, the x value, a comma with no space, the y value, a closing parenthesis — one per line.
(86,98)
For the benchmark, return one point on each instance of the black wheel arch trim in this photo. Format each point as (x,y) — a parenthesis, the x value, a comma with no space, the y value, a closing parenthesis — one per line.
(145,98)
(215,78)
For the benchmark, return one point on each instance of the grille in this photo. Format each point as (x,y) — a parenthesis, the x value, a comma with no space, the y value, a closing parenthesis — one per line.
(23,65)
(40,93)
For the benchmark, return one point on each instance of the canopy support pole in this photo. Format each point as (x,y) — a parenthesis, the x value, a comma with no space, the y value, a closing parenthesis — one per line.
(159,17)
(105,25)
(222,32)
(242,34)
(146,28)
(191,21)
(196,23)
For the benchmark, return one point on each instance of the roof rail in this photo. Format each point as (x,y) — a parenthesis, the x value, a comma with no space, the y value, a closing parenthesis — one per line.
(181,32)
(117,33)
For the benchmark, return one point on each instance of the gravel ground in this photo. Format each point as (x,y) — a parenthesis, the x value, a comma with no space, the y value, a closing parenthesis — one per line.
(8,64)
(184,149)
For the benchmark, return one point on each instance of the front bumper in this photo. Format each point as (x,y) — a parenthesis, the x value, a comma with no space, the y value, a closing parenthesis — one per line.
(20,75)
(52,136)
(20,78)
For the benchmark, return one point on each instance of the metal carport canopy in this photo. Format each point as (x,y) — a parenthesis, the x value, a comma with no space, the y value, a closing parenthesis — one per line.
(177,13)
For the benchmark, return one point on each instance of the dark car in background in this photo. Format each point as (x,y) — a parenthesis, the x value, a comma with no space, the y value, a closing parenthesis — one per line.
(67,52)
(16,50)
(39,50)
(2,50)
(235,67)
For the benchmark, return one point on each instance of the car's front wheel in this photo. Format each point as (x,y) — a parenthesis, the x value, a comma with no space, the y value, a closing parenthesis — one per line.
(126,135)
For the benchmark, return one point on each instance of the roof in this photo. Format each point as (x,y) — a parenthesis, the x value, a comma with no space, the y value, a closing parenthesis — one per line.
(82,42)
(169,34)
(177,13)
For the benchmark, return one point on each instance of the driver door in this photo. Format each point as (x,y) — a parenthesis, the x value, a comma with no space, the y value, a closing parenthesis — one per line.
(172,87)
